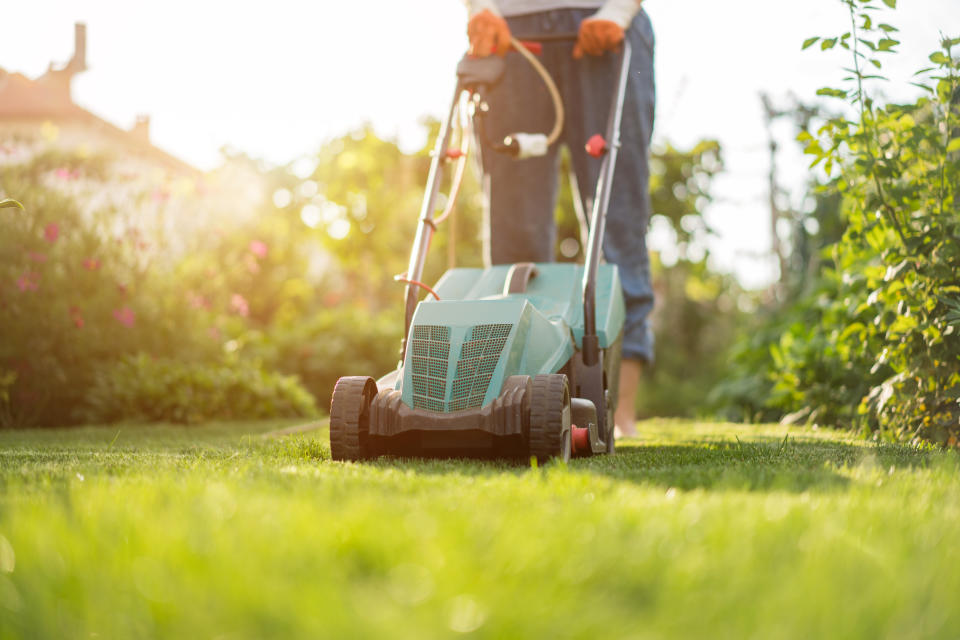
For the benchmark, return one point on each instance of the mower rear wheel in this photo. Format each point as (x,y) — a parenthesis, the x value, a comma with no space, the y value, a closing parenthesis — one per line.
(350,418)
(550,417)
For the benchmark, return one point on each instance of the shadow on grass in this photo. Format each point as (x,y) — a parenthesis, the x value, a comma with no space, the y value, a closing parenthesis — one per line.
(764,463)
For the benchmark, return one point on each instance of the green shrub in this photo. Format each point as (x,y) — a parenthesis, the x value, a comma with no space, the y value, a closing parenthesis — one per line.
(341,340)
(142,388)
(694,324)
(899,262)
(875,345)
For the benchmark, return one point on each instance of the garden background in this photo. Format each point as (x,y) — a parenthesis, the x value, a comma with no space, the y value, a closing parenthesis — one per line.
(136,287)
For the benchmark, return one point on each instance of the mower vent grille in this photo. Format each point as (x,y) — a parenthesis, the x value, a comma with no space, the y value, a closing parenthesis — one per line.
(479,355)
(478,358)
(430,349)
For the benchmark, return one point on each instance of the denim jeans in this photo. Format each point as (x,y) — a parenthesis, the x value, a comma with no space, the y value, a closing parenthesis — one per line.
(521,194)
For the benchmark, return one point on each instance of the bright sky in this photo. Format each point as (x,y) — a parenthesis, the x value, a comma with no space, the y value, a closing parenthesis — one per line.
(276,79)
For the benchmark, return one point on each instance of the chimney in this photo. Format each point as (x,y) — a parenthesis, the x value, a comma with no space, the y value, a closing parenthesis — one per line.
(79,61)
(59,80)
(141,129)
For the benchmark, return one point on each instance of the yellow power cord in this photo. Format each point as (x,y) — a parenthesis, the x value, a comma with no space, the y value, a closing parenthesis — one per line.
(551,87)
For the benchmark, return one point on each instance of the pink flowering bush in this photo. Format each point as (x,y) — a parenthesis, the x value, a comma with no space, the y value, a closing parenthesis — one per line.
(100,320)
(71,300)
(79,295)
(51,232)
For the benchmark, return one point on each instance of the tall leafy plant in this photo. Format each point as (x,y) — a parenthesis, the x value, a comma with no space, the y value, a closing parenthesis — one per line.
(894,312)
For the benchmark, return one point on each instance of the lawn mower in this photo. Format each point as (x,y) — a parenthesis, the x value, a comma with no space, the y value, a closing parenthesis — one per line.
(509,361)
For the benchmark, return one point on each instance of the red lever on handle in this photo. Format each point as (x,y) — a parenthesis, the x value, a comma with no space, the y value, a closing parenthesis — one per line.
(536,48)
(596,145)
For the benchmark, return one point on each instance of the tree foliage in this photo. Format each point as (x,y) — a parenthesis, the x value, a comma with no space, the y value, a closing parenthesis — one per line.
(874,345)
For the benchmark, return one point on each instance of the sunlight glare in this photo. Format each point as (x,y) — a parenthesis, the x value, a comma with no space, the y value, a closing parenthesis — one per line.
(569,247)
(303,167)
(310,215)
(331,212)
(338,229)
(281,198)
(308,188)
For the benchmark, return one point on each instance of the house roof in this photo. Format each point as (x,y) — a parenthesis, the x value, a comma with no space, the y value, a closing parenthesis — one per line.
(42,99)
(21,97)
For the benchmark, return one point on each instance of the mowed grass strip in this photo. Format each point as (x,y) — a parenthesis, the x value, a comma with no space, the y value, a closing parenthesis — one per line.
(693,530)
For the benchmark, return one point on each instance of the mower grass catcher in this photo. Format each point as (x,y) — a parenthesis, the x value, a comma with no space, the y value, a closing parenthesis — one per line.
(510,361)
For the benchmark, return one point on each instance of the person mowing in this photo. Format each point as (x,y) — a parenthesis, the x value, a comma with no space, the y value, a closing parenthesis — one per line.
(521,194)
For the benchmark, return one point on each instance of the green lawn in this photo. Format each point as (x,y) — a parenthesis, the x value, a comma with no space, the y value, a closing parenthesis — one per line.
(694,530)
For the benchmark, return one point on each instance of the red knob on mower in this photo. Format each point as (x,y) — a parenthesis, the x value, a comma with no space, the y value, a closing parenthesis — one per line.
(579,439)
(596,145)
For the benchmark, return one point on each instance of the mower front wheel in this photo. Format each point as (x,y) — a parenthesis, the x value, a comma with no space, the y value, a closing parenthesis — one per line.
(350,418)
(550,417)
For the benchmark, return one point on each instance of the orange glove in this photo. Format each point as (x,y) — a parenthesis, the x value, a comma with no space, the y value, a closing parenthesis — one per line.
(597,36)
(488,34)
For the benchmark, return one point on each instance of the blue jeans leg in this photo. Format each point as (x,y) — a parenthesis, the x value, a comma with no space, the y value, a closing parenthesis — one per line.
(521,194)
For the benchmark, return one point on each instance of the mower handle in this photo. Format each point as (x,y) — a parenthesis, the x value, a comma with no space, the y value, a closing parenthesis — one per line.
(598,217)
(426,226)
(547,37)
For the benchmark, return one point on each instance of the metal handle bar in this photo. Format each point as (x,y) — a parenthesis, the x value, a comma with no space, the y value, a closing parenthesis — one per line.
(547,37)
(426,226)
(598,220)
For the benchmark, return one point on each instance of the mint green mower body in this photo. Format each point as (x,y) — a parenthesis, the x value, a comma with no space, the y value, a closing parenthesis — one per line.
(466,345)
(488,371)
(513,360)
